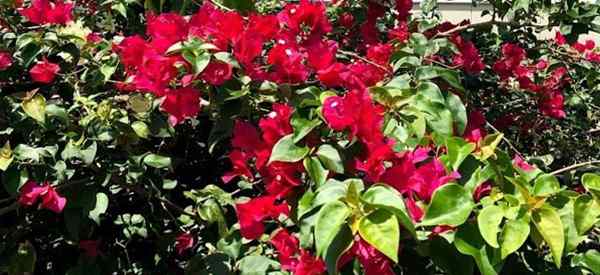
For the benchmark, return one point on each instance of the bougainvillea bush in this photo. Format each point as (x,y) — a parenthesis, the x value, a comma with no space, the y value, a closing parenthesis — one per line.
(275,137)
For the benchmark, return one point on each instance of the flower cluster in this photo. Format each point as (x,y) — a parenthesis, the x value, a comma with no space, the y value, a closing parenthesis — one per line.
(513,65)
(292,257)
(47,12)
(31,192)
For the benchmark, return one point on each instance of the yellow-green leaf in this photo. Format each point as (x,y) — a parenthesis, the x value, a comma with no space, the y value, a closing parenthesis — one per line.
(35,107)
(489,220)
(548,223)
(6,156)
(381,230)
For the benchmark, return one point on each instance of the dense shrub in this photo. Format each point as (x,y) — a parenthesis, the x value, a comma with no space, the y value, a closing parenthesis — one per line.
(273,137)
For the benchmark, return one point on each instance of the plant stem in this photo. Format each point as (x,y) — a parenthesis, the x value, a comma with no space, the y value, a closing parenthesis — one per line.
(575,166)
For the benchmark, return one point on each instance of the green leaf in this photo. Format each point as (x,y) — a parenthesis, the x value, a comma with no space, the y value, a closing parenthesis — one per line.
(286,151)
(256,265)
(488,145)
(445,256)
(23,261)
(451,205)
(100,208)
(107,70)
(141,129)
(548,223)
(591,182)
(200,63)
(514,235)
(305,204)
(157,161)
(458,150)
(431,91)
(73,150)
(481,174)
(35,107)
(489,220)
(332,190)
(380,229)
(586,211)
(303,127)
(330,219)
(331,158)
(169,184)
(428,5)
(468,241)
(6,156)
(459,112)
(546,185)
(341,243)
(383,196)
(315,170)
(590,260)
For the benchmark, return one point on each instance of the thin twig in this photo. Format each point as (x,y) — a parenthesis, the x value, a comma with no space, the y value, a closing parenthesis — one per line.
(9,208)
(365,60)
(504,138)
(575,166)
(486,24)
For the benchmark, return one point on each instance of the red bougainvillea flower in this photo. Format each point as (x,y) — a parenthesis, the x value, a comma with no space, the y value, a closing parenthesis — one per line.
(156,72)
(440,229)
(368,30)
(309,264)
(400,33)
(131,51)
(93,38)
(552,105)
(181,104)
(287,248)
(308,14)
(321,53)
(166,29)
(482,190)
(403,8)
(588,45)
(294,259)
(475,130)
(31,192)
(593,57)
(216,73)
(373,261)
(429,177)
(337,115)
(44,71)
(5,60)
(46,12)
(239,161)
(559,39)
(468,57)
(346,20)
(521,164)
(215,26)
(332,76)
(281,177)
(415,212)
(512,56)
(422,180)
(52,201)
(276,124)
(373,164)
(287,63)
(252,213)
(90,247)
(184,242)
